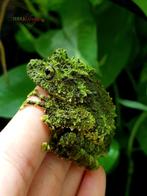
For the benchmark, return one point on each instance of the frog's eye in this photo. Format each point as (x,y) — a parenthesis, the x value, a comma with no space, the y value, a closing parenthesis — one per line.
(49,72)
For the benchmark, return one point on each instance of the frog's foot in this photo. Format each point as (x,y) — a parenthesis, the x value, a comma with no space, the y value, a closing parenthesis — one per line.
(34,98)
(83,158)
(45,146)
(70,147)
(87,160)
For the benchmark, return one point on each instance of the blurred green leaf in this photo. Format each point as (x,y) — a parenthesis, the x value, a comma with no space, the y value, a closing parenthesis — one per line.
(96,2)
(13,94)
(142,92)
(78,34)
(143,75)
(73,12)
(133,104)
(80,29)
(115,41)
(141,28)
(49,5)
(142,4)
(44,3)
(142,136)
(25,39)
(110,160)
(44,44)
(142,85)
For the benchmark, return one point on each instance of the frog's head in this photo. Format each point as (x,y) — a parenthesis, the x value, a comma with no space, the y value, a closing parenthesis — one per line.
(61,76)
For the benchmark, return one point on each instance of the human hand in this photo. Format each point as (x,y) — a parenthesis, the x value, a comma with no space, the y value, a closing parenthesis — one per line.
(26,170)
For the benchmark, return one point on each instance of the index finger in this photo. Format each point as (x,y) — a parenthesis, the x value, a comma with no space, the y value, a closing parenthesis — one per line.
(20,150)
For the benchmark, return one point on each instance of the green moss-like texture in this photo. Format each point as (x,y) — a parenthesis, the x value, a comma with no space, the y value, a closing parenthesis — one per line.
(78,109)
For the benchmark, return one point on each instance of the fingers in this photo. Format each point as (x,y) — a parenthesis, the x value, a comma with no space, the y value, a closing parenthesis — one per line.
(59,177)
(93,183)
(50,176)
(56,177)
(72,180)
(20,152)
(24,168)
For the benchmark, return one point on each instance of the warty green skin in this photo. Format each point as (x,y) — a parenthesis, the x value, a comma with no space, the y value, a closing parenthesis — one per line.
(78,110)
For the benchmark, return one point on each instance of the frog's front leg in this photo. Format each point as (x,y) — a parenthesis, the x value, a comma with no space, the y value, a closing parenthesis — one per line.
(34,98)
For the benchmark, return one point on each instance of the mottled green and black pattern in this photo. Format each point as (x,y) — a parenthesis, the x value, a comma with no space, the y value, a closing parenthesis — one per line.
(78,109)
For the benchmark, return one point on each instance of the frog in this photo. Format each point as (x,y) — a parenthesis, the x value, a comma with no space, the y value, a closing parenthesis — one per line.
(77,109)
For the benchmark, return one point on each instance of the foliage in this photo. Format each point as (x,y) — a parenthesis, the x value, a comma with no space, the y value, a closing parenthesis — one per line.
(142,4)
(14,91)
(104,35)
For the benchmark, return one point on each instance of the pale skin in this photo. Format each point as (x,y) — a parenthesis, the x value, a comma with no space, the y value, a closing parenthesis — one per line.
(25,170)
